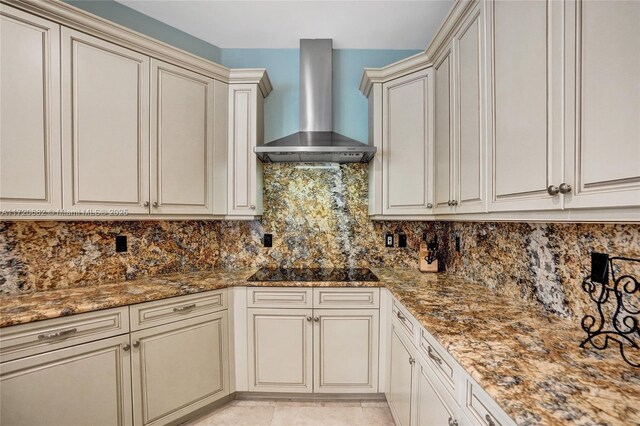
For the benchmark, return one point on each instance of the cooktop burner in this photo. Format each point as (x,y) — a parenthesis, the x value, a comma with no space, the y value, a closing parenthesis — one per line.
(314,274)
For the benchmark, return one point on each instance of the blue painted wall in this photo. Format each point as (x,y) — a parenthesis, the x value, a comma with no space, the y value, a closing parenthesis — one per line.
(132,19)
(281,107)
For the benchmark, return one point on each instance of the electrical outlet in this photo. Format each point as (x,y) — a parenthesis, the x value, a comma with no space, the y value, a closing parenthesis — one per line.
(458,243)
(388,240)
(600,268)
(121,243)
(402,240)
(267,240)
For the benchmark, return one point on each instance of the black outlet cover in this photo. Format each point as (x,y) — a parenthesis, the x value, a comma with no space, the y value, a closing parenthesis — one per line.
(402,240)
(267,240)
(388,240)
(458,243)
(600,268)
(121,243)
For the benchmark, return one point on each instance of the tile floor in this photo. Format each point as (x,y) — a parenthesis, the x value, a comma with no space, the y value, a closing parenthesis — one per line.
(284,413)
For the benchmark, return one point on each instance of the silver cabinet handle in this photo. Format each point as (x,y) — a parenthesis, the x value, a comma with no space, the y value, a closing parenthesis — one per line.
(553,190)
(184,308)
(429,205)
(56,334)
(564,188)
(136,344)
(309,318)
(316,319)
(155,204)
(146,204)
(453,422)
(252,207)
(126,347)
(412,360)
(489,420)
(400,316)
(433,356)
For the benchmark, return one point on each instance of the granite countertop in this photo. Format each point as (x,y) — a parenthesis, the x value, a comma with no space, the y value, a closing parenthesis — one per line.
(528,362)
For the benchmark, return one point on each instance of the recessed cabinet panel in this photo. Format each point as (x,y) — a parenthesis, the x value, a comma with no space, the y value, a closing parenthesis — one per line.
(434,406)
(88,384)
(407,144)
(181,140)
(105,91)
(443,134)
(400,378)
(30,111)
(603,156)
(523,84)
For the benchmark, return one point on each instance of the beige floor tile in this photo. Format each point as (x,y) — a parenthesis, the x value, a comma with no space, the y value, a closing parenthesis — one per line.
(231,415)
(377,416)
(253,403)
(317,416)
(299,403)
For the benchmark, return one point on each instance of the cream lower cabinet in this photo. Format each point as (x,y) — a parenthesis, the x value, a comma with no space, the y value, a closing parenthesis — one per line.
(179,367)
(400,378)
(87,384)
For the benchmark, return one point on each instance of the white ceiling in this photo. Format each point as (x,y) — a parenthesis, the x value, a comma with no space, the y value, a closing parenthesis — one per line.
(280,24)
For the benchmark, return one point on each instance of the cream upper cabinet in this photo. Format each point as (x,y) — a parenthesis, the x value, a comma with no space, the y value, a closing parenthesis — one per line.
(30,112)
(246,131)
(345,350)
(443,76)
(87,384)
(182,129)
(179,367)
(105,137)
(407,144)
(602,152)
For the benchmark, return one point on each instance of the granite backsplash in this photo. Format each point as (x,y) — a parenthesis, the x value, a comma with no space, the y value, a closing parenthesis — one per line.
(318,218)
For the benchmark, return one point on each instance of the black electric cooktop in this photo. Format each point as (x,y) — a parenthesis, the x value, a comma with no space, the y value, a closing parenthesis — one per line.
(314,274)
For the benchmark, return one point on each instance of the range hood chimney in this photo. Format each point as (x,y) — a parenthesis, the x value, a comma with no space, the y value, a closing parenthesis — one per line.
(316,142)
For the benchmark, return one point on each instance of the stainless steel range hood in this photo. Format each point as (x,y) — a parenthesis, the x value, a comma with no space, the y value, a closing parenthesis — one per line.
(316,142)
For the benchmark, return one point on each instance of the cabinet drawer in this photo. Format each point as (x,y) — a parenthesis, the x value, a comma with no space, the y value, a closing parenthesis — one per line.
(365,298)
(43,336)
(440,360)
(408,323)
(482,409)
(279,298)
(150,314)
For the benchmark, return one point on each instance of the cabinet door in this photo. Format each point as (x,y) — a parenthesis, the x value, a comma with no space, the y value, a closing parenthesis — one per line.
(400,378)
(181,140)
(245,132)
(434,406)
(30,111)
(280,351)
(88,384)
(603,103)
(525,55)
(469,163)
(407,144)
(345,350)
(443,133)
(179,367)
(105,139)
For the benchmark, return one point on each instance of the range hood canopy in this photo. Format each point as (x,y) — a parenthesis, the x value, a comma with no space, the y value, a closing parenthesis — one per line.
(316,142)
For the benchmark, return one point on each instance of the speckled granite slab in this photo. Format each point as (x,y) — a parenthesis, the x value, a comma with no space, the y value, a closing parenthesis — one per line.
(529,363)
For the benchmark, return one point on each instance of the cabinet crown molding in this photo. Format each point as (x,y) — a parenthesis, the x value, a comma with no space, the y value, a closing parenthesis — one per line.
(72,17)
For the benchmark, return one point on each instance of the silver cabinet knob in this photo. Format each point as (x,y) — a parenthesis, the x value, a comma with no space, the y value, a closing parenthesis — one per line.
(553,190)
(316,319)
(136,344)
(252,207)
(412,360)
(564,188)
(453,422)
(309,319)
(126,347)
(429,205)
(155,204)
(449,203)
(146,204)
(454,203)
(489,420)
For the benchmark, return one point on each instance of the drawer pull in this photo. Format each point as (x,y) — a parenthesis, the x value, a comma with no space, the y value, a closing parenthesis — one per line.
(452,422)
(489,420)
(433,356)
(400,316)
(184,308)
(57,334)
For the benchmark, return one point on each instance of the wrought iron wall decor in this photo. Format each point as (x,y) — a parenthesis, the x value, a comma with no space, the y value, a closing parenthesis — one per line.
(618,306)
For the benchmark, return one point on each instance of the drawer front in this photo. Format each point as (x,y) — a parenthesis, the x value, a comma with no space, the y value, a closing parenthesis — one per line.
(482,409)
(365,298)
(440,361)
(43,336)
(298,298)
(151,314)
(407,322)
